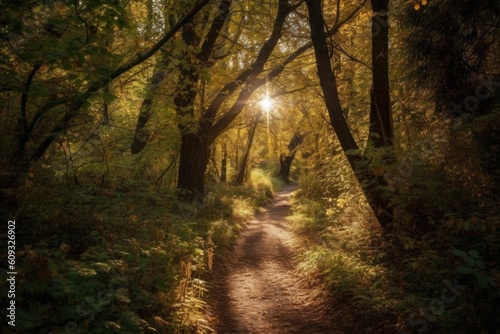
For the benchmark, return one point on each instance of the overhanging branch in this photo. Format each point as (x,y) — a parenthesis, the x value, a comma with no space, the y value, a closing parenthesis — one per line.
(77,99)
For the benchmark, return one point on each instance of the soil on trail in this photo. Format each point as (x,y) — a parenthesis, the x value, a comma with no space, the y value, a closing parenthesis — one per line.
(260,290)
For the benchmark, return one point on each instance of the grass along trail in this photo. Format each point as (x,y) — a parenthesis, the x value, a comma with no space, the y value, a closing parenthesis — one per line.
(260,290)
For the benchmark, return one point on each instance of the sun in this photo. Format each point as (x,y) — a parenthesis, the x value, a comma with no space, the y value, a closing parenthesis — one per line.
(266,103)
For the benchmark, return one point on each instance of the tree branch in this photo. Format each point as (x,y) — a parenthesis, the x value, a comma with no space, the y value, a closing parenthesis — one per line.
(140,58)
(284,9)
(23,120)
(223,123)
(213,33)
(77,100)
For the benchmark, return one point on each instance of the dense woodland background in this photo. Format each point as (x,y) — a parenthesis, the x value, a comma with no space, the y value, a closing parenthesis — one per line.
(135,146)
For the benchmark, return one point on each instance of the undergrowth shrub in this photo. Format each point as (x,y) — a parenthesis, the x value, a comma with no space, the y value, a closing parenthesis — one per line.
(344,251)
(447,226)
(264,185)
(122,256)
(437,270)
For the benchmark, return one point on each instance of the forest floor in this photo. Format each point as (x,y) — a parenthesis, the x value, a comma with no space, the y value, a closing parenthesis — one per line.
(260,290)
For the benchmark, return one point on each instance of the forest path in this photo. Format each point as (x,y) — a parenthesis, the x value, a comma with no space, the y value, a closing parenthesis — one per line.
(260,290)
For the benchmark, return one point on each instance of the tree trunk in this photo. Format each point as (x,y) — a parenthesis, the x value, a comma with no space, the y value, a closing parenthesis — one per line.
(194,156)
(381,131)
(381,127)
(372,185)
(189,73)
(285,165)
(251,134)
(223,165)
(286,160)
(327,79)
(141,134)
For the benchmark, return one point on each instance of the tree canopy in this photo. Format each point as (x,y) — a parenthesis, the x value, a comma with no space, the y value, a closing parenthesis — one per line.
(139,135)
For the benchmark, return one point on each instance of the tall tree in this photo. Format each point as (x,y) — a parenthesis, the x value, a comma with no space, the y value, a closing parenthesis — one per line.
(373,185)
(209,127)
(381,128)
(195,144)
(61,53)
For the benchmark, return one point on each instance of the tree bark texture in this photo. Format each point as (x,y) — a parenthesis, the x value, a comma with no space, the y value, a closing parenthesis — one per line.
(381,126)
(194,157)
(194,154)
(189,73)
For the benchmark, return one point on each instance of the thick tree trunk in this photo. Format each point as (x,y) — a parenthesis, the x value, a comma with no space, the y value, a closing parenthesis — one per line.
(185,91)
(381,127)
(194,156)
(327,78)
(194,153)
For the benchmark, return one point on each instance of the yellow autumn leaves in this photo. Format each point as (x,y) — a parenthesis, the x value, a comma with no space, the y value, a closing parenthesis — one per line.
(419,4)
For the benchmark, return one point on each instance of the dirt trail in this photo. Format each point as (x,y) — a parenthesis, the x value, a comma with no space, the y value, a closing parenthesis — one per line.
(260,291)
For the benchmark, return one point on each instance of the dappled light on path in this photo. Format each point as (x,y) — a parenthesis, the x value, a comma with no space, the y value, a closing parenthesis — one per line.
(260,292)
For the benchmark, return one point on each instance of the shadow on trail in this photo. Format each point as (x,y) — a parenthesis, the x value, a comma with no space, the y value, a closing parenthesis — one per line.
(259,293)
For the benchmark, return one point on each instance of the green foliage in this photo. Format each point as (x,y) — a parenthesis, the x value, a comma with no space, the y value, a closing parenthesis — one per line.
(450,52)
(309,217)
(437,269)
(344,252)
(106,246)
(264,184)
(123,256)
(475,266)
